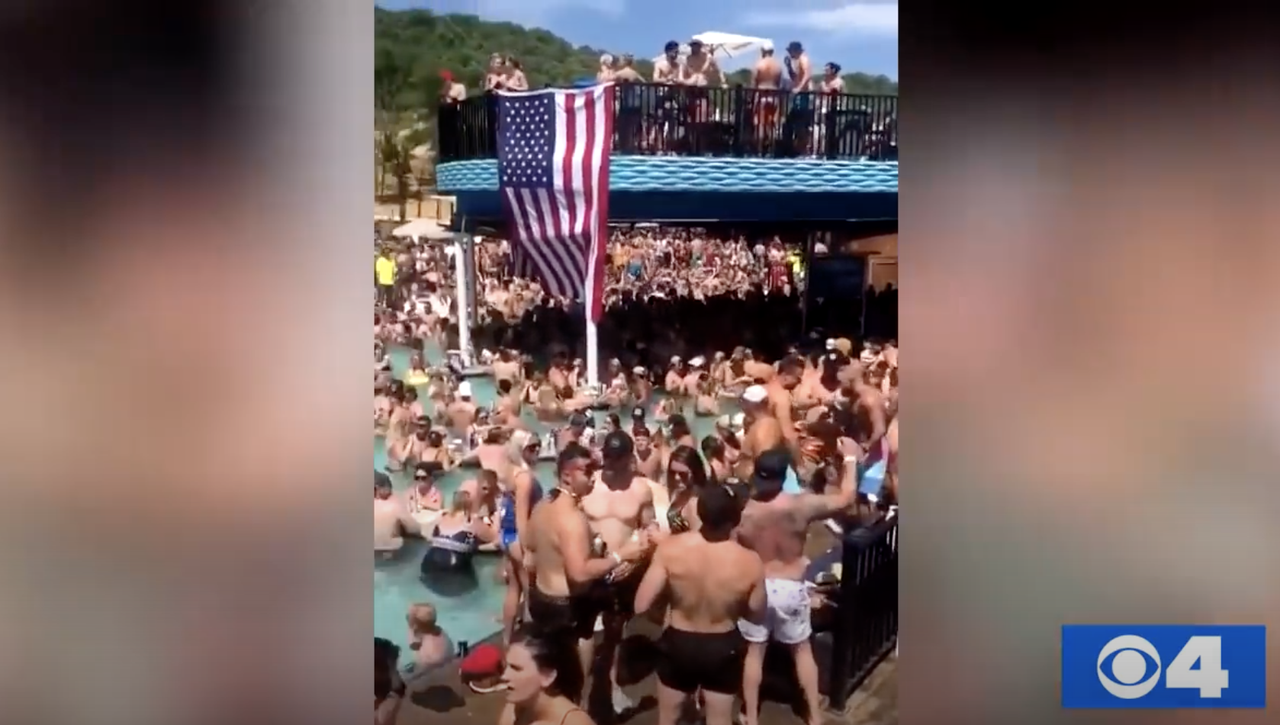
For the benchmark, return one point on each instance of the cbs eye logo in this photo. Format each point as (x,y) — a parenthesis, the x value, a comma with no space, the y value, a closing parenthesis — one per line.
(1131,676)
(1128,675)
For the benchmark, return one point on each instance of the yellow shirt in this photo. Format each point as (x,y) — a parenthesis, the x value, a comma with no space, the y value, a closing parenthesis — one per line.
(385,269)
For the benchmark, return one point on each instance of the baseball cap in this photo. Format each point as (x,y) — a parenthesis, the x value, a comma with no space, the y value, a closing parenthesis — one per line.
(464,389)
(670,46)
(794,45)
(578,420)
(766,45)
(770,472)
(831,343)
(755,394)
(617,444)
(637,413)
(485,660)
(718,508)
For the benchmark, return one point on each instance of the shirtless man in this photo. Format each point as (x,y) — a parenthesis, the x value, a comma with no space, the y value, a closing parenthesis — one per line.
(775,525)
(711,582)
(673,383)
(411,450)
(627,72)
(800,77)
(506,409)
(667,69)
(462,411)
(492,454)
(761,431)
(693,377)
(569,559)
(507,367)
(790,373)
(619,509)
(757,370)
(700,71)
(648,458)
(575,432)
(869,425)
(766,78)
(391,519)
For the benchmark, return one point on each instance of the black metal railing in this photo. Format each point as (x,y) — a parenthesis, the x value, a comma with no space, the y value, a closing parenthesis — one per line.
(866,627)
(690,121)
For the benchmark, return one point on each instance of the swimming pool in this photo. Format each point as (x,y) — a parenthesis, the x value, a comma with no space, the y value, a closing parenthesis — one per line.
(471,617)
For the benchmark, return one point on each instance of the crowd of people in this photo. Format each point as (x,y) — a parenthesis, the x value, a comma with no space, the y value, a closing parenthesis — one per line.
(793,107)
(667,293)
(705,537)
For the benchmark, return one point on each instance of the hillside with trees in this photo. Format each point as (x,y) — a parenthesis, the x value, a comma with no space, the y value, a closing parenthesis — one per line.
(411,48)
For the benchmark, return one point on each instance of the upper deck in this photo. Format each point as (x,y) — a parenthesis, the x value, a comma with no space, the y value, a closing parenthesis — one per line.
(733,122)
(691,151)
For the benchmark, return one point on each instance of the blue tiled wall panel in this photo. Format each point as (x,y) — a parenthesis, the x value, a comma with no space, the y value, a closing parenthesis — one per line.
(693,174)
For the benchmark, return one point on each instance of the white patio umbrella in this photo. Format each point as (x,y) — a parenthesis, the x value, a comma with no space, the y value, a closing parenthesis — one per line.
(422,228)
(724,45)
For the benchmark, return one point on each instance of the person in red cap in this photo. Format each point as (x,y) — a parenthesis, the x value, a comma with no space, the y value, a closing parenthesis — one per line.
(451,91)
(481,669)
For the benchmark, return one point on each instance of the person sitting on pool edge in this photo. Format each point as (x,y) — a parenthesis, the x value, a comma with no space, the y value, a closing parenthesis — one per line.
(431,646)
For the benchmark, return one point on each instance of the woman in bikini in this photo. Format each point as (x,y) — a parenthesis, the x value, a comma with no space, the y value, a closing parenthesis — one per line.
(544,683)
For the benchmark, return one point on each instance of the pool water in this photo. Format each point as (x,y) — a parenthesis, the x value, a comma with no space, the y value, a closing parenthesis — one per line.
(477,615)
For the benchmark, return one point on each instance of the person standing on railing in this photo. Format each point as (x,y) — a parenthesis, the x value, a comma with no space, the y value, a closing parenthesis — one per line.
(830,86)
(452,93)
(605,74)
(516,80)
(699,72)
(666,111)
(766,79)
(495,78)
(800,114)
(630,97)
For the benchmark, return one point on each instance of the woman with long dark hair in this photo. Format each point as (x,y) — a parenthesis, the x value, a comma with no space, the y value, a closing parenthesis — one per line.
(544,682)
(675,503)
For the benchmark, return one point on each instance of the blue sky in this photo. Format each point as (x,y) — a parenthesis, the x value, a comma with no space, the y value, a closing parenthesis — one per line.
(860,35)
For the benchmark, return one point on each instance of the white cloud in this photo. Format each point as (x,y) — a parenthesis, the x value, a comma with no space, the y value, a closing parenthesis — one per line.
(865,17)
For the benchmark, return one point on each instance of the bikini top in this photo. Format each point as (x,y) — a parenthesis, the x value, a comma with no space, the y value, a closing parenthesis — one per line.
(676,521)
(459,542)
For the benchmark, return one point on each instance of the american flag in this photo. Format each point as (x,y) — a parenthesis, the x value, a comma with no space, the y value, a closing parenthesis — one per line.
(553,175)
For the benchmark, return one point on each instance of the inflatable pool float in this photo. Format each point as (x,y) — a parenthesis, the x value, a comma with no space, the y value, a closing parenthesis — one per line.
(417,379)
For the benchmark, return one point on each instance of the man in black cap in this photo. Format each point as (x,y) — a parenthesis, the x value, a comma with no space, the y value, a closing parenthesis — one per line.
(620,510)
(775,525)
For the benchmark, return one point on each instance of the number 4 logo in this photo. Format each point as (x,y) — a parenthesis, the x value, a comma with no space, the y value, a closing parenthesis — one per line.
(1198,667)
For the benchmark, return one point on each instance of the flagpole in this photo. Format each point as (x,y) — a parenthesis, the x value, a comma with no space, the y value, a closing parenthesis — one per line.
(462,247)
(593,351)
